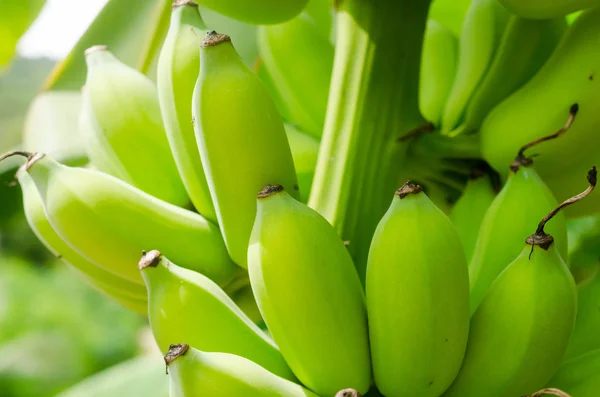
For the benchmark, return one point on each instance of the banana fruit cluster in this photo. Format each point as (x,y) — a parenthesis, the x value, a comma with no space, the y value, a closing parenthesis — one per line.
(193,210)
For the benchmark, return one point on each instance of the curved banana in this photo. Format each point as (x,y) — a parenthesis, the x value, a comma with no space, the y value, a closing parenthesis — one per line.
(185,305)
(481,32)
(521,330)
(416,256)
(580,376)
(544,9)
(257,12)
(468,211)
(305,151)
(110,222)
(122,128)
(569,76)
(299,59)
(309,294)
(586,333)
(242,140)
(523,199)
(525,46)
(438,69)
(195,373)
(178,69)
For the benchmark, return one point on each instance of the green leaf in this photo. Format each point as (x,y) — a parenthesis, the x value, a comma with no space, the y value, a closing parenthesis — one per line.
(15,18)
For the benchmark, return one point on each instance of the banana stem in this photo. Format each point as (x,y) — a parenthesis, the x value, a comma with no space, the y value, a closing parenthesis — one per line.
(373,99)
(16,153)
(550,391)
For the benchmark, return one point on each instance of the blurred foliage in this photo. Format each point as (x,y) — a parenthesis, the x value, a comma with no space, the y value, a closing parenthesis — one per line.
(15,18)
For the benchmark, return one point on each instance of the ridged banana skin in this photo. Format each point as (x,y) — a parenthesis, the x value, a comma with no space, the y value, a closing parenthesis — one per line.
(417,298)
(200,374)
(544,9)
(480,36)
(438,69)
(586,334)
(110,222)
(520,331)
(186,306)
(299,59)
(469,210)
(580,377)
(178,69)
(39,224)
(305,151)
(242,142)
(124,135)
(526,45)
(257,12)
(519,206)
(309,295)
(541,107)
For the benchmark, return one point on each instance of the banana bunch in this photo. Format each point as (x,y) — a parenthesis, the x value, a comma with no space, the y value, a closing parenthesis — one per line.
(193,210)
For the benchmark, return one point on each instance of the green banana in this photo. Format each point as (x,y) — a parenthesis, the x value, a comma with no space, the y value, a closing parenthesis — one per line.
(521,329)
(544,9)
(586,333)
(449,13)
(299,59)
(244,299)
(178,69)
(305,151)
(468,211)
(523,199)
(525,46)
(242,140)
(185,305)
(580,377)
(438,69)
(120,113)
(480,36)
(110,222)
(416,256)
(195,373)
(309,294)
(257,12)
(567,77)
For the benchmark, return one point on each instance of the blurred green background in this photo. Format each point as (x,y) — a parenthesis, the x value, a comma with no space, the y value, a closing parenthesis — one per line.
(55,330)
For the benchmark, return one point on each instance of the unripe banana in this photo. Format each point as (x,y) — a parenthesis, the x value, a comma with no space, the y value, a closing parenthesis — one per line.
(122,128)
(185,305)
(257,12)
(244,299)
(309,294)
(449,13)
(481,32)
(195,373)
(242,140)
(416,256)
(110,222)
(299,59)
(178,69)
(438,69)
(580,376)
(586,334)
(544,9)
(305,151)
(569,76)
(520,332)
(468,211)
(525,46)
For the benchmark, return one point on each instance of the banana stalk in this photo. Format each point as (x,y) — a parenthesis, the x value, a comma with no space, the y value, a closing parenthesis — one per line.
(373,99)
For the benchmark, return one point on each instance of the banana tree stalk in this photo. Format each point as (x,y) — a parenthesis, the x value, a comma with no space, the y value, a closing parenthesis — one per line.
(373,100)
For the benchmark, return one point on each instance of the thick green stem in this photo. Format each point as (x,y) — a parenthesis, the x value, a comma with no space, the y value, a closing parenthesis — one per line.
(372,101)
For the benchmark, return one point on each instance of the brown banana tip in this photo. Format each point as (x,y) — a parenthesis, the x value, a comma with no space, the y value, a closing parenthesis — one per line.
(175,351)
(149,259)
(408,188)
(95,48)
(183,3)
(574,109)
(592,176)
(348,393)
(269,190)
(214,39)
